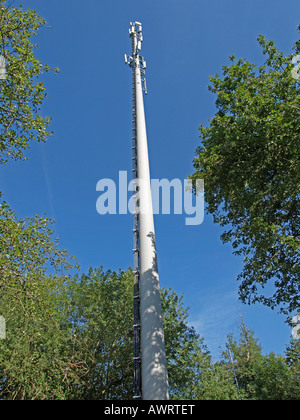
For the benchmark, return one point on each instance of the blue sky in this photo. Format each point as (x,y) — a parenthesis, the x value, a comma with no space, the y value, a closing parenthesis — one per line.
(90,102)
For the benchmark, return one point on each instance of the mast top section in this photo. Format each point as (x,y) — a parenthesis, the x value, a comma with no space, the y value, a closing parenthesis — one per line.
(135,32)
(136,29)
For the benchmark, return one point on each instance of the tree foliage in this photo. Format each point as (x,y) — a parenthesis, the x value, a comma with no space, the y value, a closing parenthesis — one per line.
(249,159)
(76,342)
(29,365)
(258,376)
(36,360)
(102,318)
(21,93)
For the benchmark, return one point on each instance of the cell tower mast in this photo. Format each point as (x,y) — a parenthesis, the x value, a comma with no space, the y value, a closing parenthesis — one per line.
(150,370)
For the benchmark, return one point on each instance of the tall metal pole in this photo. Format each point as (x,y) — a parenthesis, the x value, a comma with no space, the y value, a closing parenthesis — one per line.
(150,354)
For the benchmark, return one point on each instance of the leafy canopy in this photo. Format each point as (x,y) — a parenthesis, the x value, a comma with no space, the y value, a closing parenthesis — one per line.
(250,160)
(71,337)
(21,92)
(30,365)
(258,376)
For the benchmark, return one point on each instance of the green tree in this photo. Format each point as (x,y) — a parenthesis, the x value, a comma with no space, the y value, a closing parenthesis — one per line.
(292,355)
(272,379)
(34,362)
(250,161)
(101,317)
(187,356)
(71,337)
(258,376)
(242,358)
(21,92)
(217,382)
(192,373)
(101,312)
